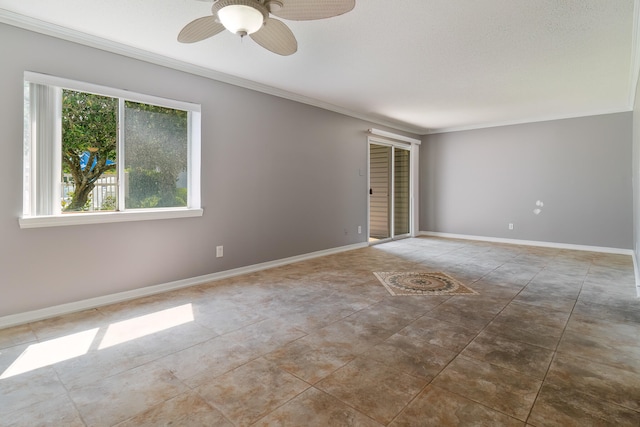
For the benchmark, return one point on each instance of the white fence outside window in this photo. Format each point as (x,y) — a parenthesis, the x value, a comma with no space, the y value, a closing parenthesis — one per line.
(103,196)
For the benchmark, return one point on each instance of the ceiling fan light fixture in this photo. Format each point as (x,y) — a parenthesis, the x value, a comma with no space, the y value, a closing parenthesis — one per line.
(252,17)
(241,19)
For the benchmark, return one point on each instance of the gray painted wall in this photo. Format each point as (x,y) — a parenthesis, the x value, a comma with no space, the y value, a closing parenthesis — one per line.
(476,182)
(279,179)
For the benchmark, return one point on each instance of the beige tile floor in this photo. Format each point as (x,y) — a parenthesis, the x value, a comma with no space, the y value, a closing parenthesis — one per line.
(552,339)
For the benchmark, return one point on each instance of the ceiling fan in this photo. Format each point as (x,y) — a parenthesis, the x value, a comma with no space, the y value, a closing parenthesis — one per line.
(252,18)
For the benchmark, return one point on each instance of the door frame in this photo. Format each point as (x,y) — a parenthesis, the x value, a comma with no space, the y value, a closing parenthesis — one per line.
(405,143)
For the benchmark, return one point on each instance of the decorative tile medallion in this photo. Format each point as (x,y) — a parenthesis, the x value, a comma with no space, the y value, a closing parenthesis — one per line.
(422,283)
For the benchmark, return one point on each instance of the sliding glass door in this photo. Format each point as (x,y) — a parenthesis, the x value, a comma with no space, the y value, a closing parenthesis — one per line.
(389,192)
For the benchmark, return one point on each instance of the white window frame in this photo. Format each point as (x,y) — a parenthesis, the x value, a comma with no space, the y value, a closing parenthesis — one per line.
(35,178)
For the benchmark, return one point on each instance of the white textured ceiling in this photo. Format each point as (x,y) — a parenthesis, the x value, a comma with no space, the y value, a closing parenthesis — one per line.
(420,65)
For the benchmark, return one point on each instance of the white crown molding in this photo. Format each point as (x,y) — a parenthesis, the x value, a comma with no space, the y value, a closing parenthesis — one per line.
(527,121)
(32,24)
(53,30)
(76,306)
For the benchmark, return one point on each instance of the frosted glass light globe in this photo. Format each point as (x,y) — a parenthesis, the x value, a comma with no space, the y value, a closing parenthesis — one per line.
(241,19)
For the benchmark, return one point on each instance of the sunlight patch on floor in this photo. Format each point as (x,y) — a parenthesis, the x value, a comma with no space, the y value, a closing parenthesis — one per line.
(57,350)
(50,352)
(148,324)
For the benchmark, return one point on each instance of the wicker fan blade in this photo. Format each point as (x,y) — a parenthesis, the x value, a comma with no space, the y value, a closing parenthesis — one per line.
(308,10)
(200,29)
(276,37)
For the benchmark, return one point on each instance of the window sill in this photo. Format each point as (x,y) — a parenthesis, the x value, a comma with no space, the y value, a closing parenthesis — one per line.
(105,217)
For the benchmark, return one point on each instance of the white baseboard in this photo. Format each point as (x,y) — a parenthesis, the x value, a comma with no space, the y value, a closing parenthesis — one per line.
(601,249)
(72,307)
(546,245)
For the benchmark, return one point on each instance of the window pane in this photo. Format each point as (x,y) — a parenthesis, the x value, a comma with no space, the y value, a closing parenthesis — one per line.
(156,149)
(380,191)
(401,192)
(89,142)
(26,183)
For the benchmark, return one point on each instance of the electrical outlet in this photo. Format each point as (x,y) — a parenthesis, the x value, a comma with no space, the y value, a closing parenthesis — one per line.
(359,229)
(510,226)
(219,251)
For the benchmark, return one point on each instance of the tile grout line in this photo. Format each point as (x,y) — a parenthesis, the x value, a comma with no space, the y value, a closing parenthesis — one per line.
(459,353)
(555,351)
(482,330)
